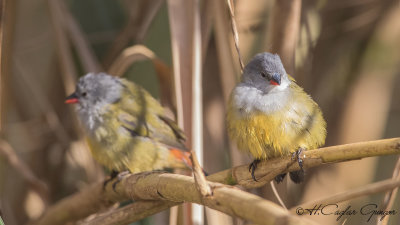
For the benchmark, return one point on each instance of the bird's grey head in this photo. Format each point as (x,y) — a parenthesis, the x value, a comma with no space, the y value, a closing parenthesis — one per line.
(93,92)
(265,71)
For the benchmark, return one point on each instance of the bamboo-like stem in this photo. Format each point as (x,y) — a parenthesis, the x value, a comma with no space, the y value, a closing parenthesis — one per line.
(283,31)
(181,21)
(197,113)
(173,188)
(267,170)
(7,28)
(156,186)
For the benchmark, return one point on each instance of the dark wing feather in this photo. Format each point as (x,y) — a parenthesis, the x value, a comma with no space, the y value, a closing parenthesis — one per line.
(174,127)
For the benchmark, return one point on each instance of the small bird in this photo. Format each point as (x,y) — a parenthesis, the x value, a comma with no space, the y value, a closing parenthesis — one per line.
(126,127)
(270,116)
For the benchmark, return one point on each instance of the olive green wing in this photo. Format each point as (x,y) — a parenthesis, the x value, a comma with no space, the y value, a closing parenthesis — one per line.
(144,116)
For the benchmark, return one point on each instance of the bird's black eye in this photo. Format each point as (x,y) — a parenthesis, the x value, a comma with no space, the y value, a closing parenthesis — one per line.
(84,94)
(264,75)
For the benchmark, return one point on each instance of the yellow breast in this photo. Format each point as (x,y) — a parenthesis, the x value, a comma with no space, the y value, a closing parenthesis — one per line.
(298,124)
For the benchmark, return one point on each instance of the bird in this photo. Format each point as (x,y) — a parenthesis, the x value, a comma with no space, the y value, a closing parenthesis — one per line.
(126,128)
(270,116)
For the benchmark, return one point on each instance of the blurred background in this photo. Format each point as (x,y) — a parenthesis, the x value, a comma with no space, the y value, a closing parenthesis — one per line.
(345,53)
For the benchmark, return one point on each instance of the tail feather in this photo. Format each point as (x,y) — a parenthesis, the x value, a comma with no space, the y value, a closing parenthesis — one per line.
(182,156)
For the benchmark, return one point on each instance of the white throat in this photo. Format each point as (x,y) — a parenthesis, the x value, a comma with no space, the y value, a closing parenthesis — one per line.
(91,117)
(248,99)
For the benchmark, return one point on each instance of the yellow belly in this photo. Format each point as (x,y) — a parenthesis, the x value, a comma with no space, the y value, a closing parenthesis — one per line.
(269,136)
(120,151)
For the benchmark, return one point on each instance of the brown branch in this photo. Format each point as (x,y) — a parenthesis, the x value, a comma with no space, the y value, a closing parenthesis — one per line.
(267,170)
(178,188)
(132,212)
(172,188)
(347,195)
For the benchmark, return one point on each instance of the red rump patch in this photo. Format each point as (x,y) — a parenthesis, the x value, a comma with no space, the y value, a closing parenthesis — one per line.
(273,82)
(182,156)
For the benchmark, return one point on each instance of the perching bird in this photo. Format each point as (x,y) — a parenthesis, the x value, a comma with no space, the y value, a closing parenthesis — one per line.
(270,116)
(126,127)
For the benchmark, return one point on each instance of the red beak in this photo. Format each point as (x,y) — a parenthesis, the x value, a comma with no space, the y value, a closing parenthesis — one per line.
(276,79)
(273,82)
(72,99)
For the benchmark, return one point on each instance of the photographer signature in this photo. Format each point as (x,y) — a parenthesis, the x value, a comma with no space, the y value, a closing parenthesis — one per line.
(368,210)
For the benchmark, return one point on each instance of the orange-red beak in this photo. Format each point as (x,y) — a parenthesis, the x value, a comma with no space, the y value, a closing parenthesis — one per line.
(276,79)
(72,99)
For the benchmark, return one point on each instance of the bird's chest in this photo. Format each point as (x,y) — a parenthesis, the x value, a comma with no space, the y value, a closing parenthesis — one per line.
(266,135)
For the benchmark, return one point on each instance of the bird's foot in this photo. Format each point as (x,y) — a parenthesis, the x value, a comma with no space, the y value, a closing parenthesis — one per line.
(297,156)
(280,177)
(113,175)
(253,167)
(297,176)
(119,178)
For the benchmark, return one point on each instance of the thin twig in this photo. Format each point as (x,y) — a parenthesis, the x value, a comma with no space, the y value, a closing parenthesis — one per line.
(235,33)
(85,52)
(64,53)
(141,15)
(43,103)
(138,53)
(9,154)
(283,31)
(129,56)
(199,177)
(390,196)
(277,195)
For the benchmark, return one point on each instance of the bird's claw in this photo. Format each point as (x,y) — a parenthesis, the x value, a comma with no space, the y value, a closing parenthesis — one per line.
(115,174)
(253,167)
(280,177)
(297,156)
